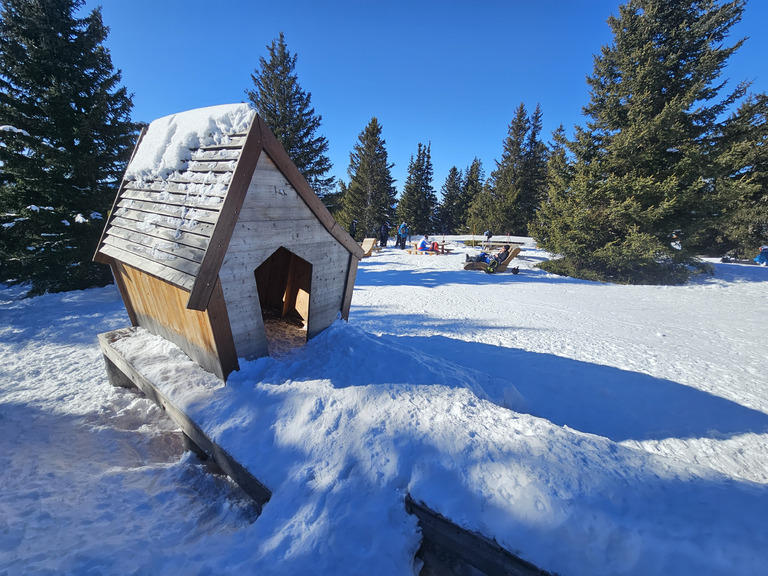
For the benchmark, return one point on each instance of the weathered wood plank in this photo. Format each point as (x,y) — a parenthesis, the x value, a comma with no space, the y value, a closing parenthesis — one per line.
(208,201)
(182,237)
(143,222)
(222,331)
(175,277)
(205,214)
(449,549)
(231,141)
(156,259)
(153,243)
(239,474)
(160,308)
(166,186)
(201,155)
(205,178)
(211,166)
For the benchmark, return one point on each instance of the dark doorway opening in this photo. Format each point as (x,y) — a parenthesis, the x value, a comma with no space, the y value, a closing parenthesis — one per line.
(284,282)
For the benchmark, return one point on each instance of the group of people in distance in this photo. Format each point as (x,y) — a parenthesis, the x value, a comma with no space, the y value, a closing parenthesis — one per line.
(425,244)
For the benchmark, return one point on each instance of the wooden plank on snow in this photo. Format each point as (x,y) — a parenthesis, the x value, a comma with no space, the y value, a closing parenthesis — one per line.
(446,548)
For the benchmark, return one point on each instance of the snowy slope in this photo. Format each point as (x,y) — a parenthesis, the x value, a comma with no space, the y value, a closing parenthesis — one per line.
(590,428)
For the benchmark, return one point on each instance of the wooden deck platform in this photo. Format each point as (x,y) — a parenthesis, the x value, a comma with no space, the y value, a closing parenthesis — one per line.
(122,373)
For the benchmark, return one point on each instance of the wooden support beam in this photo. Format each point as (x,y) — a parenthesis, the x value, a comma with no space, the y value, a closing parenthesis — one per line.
(240,475)
(447,549)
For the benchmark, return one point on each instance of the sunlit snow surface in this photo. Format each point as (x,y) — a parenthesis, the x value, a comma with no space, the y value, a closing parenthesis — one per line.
(590,428)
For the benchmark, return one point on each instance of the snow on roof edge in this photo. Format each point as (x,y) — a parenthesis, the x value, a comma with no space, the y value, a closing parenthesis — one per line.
(166,145)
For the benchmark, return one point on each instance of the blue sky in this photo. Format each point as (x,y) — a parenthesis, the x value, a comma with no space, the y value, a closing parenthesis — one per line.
(446,72)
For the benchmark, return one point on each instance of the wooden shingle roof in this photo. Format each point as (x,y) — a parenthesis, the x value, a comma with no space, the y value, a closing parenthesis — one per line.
(177,226)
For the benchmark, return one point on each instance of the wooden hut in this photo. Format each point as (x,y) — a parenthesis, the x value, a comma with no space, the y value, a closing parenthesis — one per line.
(215,236)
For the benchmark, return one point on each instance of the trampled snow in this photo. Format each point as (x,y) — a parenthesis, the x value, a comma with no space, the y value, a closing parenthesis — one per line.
(590,428)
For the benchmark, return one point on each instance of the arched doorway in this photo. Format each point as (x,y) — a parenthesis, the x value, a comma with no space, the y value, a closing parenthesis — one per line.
(284,282)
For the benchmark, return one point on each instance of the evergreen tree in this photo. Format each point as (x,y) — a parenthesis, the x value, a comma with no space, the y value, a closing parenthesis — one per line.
(474,180)
(65,138)
(485,214)
(505,186)
(742,188)
(287,110)
(517,186)
(418,202)
(644,165)
(558,179)
(533,184)
(370,197)
(448,210)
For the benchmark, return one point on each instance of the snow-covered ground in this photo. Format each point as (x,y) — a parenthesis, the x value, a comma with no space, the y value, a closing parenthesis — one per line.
(590,428)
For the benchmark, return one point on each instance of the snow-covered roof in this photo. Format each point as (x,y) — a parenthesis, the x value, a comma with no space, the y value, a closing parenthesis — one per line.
(178,203)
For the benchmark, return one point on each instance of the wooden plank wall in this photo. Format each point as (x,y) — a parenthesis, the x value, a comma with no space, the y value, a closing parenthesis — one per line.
(160,308)
(274,215)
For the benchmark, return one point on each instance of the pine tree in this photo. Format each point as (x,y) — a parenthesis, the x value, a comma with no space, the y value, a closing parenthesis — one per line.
(742,187)
(518,184)
(644,166)
(65,139)
(287,110)
(558,179)
(447,213)
(418,202)
(533,185)
(370,196)
(498,207)
(474,181)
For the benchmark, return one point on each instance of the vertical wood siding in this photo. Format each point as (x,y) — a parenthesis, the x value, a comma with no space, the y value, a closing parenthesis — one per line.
(274,215)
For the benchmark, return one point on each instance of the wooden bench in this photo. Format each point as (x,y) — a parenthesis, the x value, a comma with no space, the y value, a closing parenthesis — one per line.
(443,249)
(367,246)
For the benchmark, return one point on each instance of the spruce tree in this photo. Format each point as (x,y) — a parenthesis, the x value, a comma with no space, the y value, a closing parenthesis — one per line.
(741,225)
(533,185)
(447,214)
(474,180)
(370,196)
(558,179)
(645,167)
(418,202)
(65,139)
(498,207)
(518,184)
(287,110)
